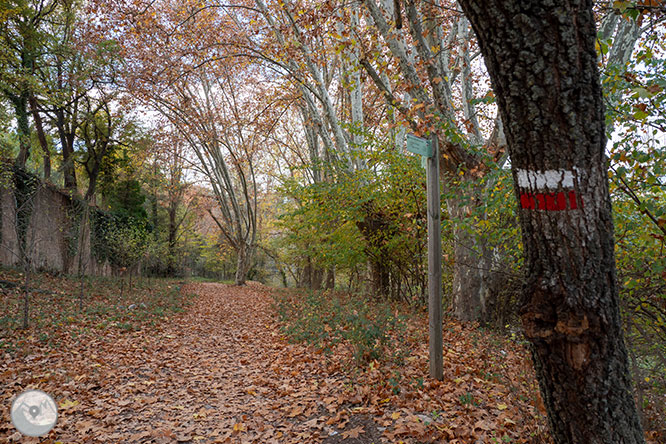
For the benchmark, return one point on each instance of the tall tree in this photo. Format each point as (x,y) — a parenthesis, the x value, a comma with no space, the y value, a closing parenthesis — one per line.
(208,110)
(77,74)
(22,42)
(429,62)
(61,73)
(96,131)
(169,189)
(543,65)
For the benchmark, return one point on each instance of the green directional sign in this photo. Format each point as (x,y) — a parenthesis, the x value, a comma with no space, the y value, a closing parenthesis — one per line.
(419,145)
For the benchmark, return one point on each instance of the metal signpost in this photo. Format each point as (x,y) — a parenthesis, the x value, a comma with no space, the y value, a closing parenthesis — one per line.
(430,149)
(419,145)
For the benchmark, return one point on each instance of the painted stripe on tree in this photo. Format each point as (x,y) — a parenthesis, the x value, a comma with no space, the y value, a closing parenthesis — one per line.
(549,179)
(540,183)
(550,201)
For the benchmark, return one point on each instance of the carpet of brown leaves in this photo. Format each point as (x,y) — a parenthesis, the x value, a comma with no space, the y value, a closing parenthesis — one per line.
(222,372)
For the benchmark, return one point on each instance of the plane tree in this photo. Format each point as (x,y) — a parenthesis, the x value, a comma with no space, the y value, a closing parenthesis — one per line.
(542,62)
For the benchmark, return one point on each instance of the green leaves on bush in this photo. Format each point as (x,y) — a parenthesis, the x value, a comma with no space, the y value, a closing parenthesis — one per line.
(326,320)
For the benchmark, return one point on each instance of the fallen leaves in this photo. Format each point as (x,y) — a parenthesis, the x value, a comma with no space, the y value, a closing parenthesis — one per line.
(222,372)
(353,433)
(67,404)
(296,411)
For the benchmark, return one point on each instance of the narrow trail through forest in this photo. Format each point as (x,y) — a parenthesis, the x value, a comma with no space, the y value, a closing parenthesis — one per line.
(218,374)
(222,372)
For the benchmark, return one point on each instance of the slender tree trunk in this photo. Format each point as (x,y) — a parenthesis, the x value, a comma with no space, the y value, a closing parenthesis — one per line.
(41,135)
(26,298)
(83,248)
(356,93)
(155,216)
(21,108)
(171,241)
(305,275)
(20,103)
(330,278)
(81,291)
(69,169)
(543,66)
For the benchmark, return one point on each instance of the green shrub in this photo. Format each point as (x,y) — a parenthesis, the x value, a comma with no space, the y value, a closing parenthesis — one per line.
(326,320)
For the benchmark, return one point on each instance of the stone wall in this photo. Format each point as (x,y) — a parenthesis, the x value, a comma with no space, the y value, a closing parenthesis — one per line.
(50,223)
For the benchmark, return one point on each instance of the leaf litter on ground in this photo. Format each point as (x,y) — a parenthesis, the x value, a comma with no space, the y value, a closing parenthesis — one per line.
(223,372)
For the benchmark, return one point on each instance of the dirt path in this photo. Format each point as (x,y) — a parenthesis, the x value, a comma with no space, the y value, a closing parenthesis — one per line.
(218,373)
(221,372)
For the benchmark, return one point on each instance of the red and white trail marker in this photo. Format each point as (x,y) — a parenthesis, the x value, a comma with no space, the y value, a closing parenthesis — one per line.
(550,190)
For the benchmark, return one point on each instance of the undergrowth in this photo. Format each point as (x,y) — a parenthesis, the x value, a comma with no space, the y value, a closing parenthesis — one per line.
(326,320)
(56,314)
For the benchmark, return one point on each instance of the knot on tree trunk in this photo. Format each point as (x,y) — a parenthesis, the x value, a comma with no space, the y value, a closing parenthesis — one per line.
(547,316)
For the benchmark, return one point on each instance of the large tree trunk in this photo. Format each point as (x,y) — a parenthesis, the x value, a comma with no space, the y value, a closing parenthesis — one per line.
(311,276)
(543,66)
(92,182)
(380,276)
(243,261)
(377,231)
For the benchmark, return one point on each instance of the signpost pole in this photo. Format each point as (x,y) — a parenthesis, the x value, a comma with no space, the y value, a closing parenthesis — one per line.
(435,263)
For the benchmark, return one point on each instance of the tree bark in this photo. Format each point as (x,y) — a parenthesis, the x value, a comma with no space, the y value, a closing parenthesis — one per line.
(23,125)
(244,256)
(311,276)
(26,299)
(329,282)
(377,231)
(543,67)
(41,135)
(67,146)
(172,238)
(470,293)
